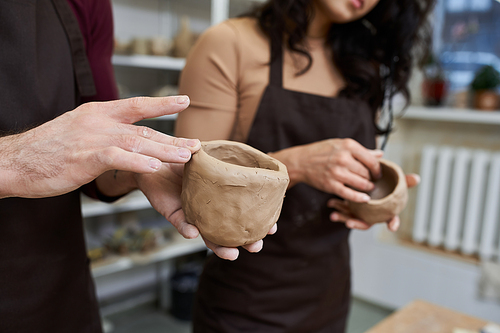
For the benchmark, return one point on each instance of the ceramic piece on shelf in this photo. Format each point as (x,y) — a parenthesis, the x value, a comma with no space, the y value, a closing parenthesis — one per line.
(167,90)
(486,100)
(388,198)
(232,192)
(461,99)
(184,40)
(122,48)
(160,46)
(141,46)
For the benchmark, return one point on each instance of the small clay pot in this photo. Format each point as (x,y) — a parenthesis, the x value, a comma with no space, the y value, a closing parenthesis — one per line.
(388,198)
(487,100)
(232,192)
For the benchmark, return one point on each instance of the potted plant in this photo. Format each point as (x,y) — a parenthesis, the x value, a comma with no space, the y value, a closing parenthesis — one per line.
(484,85)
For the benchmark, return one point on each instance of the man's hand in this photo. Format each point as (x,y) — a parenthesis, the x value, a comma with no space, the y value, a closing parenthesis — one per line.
(76,147)
(163,190)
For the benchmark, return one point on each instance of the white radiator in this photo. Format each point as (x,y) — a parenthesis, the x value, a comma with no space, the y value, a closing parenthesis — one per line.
(458,201)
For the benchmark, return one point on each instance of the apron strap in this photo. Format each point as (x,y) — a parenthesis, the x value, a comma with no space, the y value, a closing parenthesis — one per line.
(83,72)
(276,67)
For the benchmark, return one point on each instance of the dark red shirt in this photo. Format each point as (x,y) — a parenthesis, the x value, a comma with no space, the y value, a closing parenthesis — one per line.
(96,24)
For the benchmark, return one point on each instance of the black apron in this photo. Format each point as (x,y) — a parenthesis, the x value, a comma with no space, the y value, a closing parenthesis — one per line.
(300,281)
(45,281)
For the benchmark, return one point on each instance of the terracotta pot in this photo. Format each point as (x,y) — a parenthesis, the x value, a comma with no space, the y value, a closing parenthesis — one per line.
(388,198)
(232,192)
(486,100)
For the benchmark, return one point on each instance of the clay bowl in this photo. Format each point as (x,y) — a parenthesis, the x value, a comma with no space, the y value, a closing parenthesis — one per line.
(388,198)
(232,192)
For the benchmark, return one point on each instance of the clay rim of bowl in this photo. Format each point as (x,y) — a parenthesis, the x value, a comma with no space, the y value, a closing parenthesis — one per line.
(399,175)
(247,150)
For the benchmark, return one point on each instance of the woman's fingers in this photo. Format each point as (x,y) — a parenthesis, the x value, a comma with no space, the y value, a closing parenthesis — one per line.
(340,205)
(377,153)
(394,224)
(355,181)
(343,215)
(273,230)
(358,168)
(349,221)
(349,194)
(412,180)
(368,159)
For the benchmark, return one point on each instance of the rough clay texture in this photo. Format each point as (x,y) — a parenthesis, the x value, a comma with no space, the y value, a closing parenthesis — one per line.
(232,192)
(388,198)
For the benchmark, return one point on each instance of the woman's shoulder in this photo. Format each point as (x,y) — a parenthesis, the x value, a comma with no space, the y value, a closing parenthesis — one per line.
(234,30)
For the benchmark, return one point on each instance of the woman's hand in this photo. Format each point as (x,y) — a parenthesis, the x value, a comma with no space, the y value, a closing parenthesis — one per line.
(163,190)
(337,166)
(344,215)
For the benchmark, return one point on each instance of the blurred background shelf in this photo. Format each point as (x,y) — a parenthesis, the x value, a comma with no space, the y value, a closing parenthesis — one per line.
(452,115)
(147,61)
(132,202)
(176,247)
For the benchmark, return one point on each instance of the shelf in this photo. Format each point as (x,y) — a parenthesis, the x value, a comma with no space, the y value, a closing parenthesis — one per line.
(452,115)
(133,201)
(177,247)
(168,117)
(147,61)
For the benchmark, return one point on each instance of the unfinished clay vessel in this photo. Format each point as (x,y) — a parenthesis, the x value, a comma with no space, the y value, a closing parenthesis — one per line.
(388,198)
(232,192)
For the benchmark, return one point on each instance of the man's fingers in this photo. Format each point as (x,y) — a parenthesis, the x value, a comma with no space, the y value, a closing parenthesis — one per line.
(164,152)
(148,133)
(188,230)
(132,110)
(120,159)
(178,220)
(227,253)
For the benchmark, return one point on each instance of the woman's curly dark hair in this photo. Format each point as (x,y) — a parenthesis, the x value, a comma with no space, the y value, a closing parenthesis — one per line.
(375,54)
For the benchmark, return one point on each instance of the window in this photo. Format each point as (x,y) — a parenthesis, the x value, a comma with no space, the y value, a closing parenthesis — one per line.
(466,37)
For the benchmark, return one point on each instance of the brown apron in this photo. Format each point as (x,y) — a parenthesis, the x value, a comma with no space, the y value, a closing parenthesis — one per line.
(45,281)
(300,281)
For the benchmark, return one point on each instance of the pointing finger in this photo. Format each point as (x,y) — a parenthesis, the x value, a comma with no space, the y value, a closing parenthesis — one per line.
(132,110)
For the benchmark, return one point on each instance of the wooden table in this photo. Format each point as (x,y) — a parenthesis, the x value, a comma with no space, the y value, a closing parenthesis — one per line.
(423,317)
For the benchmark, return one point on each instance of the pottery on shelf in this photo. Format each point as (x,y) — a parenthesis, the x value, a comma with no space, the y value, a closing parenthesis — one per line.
(233,193)
(388,198)
(184,39)
(487,100)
